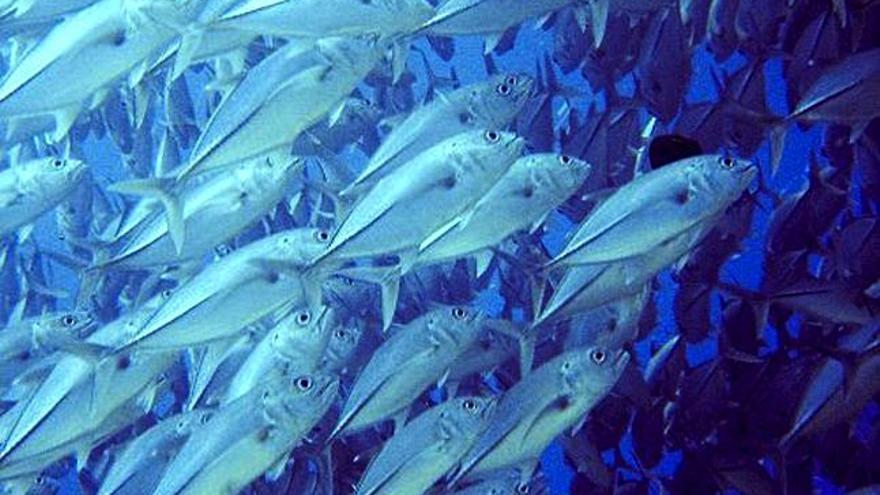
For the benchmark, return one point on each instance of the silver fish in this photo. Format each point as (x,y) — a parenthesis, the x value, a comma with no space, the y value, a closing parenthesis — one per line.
(299,84)
(547,401)
(247,437)
(489,104)
(139,467)
(29,189)
(413,358)
(298,339)
(426,448)
(228,295)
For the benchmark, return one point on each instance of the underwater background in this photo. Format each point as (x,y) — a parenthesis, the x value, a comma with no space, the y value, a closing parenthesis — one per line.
(738,346)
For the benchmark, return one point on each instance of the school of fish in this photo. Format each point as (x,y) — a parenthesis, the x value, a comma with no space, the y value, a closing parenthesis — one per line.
(298,247)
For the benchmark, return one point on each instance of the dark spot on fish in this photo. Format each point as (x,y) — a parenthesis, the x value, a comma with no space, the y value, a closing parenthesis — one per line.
(449,182)
(528,191)
(672,148)
(123,363)
(24,355)
(682,197)
(562,403)
(465,118)
(119,38)
(263,434)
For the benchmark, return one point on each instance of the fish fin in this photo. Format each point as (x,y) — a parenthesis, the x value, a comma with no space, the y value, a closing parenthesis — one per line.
(483,259)
(276,471)
(579,425)
(189,45)
(336,114)
(155,188)
(598,20)
(438,234)
(388,280)
(582,15)
(443,379)
(777,146)
(543,22)
(18,311)
(491,42)
(400,419)
(857,130)
(399,52)
(64,120)
(24,232)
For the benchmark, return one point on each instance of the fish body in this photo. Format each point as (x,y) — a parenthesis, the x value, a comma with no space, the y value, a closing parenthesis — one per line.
(232,293)
(520,200)
(321,18)
(299,338)
(436,186)
(546,402)
(29,189)
(212,211)
(489,104)
(247,437)
(141,463)
(285,94)
(656,207)
(423,451)
(406,364)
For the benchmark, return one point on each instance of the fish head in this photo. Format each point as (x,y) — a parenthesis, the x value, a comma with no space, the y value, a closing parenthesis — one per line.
(728,176)
(274,171)
(297,247)
(492,147)
(304,335)
(454,326)
(343,341)
(593,370)
(499,99)
(63,172)
(74,323)
(473,413)
(561,174)
(310,395)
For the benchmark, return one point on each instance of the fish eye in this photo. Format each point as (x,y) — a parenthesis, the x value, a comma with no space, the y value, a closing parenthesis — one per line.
(68,321)
(469,405)
(503,89)
(565,159)
(492,136)
(304,383)
(727,162)
(40,479)
(511,81)
(322,236)
(522,489)
(57,164)
(598,356)
(205,418)
(340,334)
(166,293)
(458,313)
(303,318)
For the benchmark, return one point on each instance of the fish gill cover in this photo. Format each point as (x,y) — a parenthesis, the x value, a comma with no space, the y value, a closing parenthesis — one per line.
(403,247)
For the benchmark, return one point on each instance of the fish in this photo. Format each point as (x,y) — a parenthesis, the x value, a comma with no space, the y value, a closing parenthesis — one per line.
(413,358)
(549,400)
(29,189)
(419,454)
(226,296)
(490,18)
(139,466)
(217,207)
(246,438)
(300,83)
(489,104)
(299,338)
(679,196)
(116,32)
